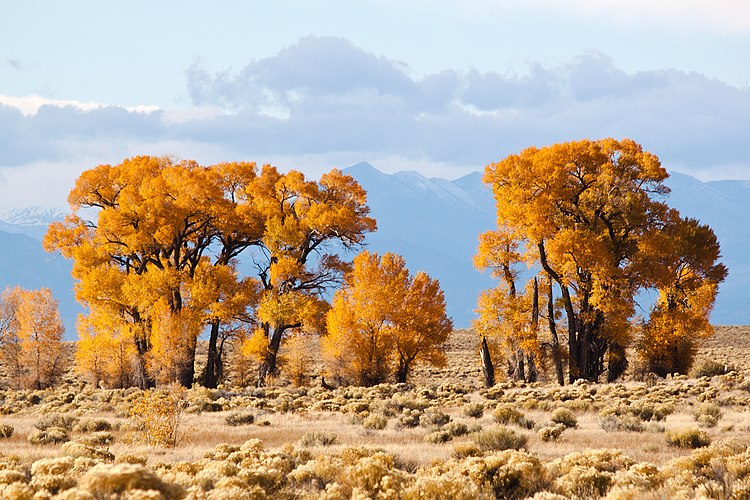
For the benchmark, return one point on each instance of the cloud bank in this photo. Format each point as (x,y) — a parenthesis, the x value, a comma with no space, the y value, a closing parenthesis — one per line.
(327,99)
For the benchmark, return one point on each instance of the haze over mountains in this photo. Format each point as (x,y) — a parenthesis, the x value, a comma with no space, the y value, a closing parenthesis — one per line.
(434,224)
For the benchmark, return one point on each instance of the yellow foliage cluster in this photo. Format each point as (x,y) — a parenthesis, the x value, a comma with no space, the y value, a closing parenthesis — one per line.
(155,416)
(157,263)
(31,332)
(383,316)
(588,217)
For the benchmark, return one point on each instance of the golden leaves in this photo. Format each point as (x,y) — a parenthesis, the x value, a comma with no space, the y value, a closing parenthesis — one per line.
(384,316)
(161,250)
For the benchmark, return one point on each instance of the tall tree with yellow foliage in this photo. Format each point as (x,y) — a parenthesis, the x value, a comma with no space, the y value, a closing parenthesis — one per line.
(305,223)
(143,250)
(505,315)
(31,347)
(383,321)
(155,245)
(587,214)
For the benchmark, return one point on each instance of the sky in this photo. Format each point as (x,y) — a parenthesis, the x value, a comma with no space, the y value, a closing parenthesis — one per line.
(440,87)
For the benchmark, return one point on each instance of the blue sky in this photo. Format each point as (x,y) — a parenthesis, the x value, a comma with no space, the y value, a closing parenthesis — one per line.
(442,87)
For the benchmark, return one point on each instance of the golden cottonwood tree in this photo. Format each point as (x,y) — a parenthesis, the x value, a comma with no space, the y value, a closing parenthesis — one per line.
(144,249)
(510,317)
(687,288)
(382,318)
(587,214)
(155,245)
(305,223)
(31,346)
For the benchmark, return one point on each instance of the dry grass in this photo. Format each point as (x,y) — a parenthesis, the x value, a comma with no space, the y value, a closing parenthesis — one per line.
(444,401)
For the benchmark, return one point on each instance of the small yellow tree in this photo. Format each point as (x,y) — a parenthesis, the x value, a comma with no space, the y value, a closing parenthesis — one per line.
(689,279)
(106,353)
(384,317)
(32,351)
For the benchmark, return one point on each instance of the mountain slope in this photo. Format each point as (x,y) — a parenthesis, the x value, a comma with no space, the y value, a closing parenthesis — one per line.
(434,224)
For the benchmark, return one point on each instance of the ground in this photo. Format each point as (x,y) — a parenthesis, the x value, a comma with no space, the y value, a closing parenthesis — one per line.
(429,429)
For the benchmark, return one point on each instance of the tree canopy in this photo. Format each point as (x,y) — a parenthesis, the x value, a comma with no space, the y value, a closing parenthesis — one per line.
(589,216)
(156,245)
(384,321)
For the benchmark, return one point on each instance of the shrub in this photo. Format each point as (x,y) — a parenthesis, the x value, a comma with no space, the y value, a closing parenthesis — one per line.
(506,414)
(111,481)
(464,450)
(551,432)
(316,438)
(375,422)
(434,419)
(80,448)
(409,418)
(565,417)
(66,422)
(507,474)
(688,438)
(52,474)
(156,416)
(626,423)
(92,425)
(6,430)
(707,414)
(474,410)
(438,437)
(499,438)
(710,368)
(240,418)
(53,435)
(130,458)
(456,428)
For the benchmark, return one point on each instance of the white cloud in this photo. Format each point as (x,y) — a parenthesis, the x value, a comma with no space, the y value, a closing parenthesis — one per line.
(29,105)
(347,105)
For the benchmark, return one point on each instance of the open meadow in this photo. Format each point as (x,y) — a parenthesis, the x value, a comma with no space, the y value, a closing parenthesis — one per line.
(440,436)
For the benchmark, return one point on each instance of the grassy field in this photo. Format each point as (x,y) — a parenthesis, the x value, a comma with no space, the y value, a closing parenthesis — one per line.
(441,436)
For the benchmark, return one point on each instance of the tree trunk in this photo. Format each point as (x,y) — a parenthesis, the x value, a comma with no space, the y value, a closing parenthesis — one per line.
(142,379)
(402,372)
(555,340)
(268,366)
(574,361)
(488,370)
(618,363)
(532,374)
(519,373)
(213,362)
(186,372)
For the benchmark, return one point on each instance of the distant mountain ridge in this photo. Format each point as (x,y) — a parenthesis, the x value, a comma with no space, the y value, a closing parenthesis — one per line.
(435,224)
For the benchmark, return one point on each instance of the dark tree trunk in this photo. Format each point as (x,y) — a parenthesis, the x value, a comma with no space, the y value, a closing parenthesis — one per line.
(212,373)
(402,372)
(574,340)
(556,357)
(488,369)
(532,374)
(142,379)
(518,371)
(618,363)
(186,369)
(268,366)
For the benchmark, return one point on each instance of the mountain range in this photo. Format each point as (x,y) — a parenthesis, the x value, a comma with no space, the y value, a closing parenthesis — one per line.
(434,223)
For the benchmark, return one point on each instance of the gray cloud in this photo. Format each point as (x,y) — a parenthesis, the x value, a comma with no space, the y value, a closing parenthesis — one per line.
(324,96)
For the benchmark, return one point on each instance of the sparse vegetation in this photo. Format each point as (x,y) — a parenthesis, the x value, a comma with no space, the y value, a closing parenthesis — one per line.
(499,438)
(688,438)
